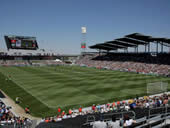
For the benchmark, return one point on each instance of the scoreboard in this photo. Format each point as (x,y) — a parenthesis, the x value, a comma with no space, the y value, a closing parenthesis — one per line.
(21,42)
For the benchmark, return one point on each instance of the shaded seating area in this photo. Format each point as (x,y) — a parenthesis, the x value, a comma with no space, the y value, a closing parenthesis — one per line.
(160,58)
(144,63)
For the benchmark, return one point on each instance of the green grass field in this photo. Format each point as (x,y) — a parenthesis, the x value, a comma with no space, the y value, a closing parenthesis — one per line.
(43,89)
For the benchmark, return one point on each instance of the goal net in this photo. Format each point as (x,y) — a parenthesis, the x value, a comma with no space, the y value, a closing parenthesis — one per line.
(157,87)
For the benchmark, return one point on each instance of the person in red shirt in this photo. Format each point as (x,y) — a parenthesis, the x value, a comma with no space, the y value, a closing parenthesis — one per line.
(93,107)
(63,113)
(59,110)
(80,109)
(118,102)
(27,110)
(70,111)
(47,120)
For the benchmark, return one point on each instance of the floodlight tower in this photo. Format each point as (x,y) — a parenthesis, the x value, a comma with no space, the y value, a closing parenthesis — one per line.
(83,40)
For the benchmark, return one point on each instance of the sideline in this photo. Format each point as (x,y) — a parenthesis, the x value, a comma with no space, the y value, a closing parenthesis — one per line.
(16,109)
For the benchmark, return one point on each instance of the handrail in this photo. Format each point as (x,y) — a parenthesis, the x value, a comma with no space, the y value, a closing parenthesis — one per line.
(150,109)
(121,113)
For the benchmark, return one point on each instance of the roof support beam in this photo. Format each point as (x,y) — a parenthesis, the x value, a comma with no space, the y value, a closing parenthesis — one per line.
(121,46)
(125,42)
(142,42)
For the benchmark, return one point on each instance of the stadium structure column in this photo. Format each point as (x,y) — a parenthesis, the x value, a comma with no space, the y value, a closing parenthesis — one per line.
(145,48)
(148,46)
(99,52)
(157,47)
(136,49)
(125,50)
(161,47)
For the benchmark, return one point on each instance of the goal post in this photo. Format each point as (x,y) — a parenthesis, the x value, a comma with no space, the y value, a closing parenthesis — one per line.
(157,87)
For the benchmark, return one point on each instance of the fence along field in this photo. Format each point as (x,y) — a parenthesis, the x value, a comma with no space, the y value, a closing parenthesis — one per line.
(45,88)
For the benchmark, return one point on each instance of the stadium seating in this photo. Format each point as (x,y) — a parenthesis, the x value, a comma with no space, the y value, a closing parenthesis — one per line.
(9,120)
(29,63)
(130,62)
(145,117)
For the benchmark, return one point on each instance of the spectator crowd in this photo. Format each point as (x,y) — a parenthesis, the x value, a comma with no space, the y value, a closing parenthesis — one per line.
(29,63)
(145,64)
(8,118)
(142,103)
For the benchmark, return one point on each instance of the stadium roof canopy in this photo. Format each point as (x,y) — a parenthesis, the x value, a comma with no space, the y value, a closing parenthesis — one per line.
(146,38)
(131,40)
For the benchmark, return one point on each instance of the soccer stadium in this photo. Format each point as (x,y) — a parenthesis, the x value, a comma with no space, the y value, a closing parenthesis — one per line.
(116,83)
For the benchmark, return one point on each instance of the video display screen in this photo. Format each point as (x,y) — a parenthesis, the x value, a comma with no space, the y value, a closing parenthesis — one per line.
(21,42)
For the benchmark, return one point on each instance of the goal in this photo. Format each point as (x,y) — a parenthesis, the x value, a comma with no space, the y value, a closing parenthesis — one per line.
(157,87)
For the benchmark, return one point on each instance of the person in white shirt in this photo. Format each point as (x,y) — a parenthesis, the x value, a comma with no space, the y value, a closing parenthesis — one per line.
(99,124)
(147,104)
(113,123)
(128,121)
(127,107)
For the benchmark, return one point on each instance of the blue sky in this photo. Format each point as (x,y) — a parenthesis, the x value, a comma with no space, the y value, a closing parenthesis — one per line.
(57,23)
